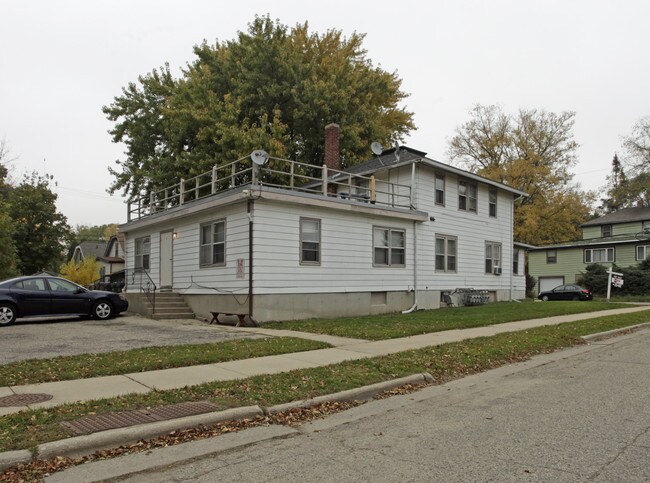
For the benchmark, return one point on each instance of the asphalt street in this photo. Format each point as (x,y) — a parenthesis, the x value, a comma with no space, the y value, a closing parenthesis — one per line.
(40,338)
(577,415)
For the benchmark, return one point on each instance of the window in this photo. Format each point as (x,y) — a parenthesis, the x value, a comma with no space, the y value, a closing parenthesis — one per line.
(599,255)
(642,252)
(213,244)
(62,286)
(467,196)
(309,241)
(34,284)
(493,202)
(389,247)
(440,189)
(551,256)
(606,231)
(492,256)
(446,253)
(515,261)
(142,250)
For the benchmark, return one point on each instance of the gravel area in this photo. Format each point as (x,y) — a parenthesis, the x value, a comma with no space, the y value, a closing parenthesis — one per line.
(42,338)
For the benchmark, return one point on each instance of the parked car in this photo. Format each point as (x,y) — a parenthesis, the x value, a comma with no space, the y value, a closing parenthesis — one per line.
(44,295)
(566,292)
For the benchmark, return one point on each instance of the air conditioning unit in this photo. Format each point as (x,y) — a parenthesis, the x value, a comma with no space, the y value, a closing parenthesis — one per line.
(497,270)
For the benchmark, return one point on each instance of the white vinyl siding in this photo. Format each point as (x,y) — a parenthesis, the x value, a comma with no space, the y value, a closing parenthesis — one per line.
(599,255)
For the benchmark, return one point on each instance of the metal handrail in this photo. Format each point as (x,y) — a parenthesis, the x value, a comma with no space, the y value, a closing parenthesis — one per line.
(279,173)
(148,287)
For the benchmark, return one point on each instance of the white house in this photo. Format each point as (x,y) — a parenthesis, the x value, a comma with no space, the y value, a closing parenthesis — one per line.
(278,239)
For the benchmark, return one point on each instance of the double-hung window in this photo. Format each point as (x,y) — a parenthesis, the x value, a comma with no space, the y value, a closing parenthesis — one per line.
(467,196)
(446,253)
(551,256)
(389,247)
(440,189)
(492,256)
(213,244)
(142,251)
(599,255)
(515,261)
(493,202)
(309,241)
(605,231)
(642,253)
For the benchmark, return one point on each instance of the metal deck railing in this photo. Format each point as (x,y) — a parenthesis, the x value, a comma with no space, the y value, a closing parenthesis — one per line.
(277,173)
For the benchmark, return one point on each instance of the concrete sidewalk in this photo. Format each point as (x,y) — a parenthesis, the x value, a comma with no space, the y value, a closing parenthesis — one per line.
(346,349)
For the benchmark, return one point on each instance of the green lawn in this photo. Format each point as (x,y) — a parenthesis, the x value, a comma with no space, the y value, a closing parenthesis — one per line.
(390,326)
(444,363)
(147,359)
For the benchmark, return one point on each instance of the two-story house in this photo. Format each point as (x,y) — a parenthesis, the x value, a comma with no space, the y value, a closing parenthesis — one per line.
(284,240)
(621,238)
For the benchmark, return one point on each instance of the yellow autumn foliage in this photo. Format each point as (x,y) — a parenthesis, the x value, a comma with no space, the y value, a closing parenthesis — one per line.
(84,273)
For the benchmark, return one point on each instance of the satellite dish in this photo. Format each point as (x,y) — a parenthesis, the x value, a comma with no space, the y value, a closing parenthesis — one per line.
(376,148)
(260,157)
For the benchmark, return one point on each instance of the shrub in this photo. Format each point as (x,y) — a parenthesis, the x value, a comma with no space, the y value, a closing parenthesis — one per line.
(84,273)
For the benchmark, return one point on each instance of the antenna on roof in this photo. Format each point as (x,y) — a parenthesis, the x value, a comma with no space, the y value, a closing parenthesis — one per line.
(260,157)
(397,153)
(376,148)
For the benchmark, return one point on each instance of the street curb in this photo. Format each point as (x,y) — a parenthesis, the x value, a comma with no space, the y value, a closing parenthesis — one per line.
(88,444)
(357,394)
(13,458)
(611,333)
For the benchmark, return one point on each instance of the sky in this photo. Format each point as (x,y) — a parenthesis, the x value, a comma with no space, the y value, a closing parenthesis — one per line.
(61,61)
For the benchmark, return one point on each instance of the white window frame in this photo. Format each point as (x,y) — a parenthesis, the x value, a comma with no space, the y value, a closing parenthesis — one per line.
(446,255)
(212,243)
(302,241)
(467,196)
(493,196)
(645,249)
(551,258)
(604,228)
(492,249)
(389,248)
(142,254)
(439,177)
(588,255)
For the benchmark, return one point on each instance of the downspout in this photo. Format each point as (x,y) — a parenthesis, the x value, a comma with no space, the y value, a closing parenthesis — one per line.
(249,210)
(415,248)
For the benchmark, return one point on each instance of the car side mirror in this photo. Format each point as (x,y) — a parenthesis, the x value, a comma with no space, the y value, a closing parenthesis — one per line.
(79,290)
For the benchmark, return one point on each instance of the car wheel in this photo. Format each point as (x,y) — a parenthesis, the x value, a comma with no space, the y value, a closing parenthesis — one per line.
(545,298)
(7,314)
(102,310)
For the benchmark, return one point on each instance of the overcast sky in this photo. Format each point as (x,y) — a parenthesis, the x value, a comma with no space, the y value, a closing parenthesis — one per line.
(61,61)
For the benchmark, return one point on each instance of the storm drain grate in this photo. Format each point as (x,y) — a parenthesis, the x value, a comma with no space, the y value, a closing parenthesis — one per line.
(23,399)
(123,419)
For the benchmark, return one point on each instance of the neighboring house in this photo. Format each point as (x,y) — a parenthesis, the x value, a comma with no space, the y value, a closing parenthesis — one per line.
(617,237)
(285,240)
(110,257)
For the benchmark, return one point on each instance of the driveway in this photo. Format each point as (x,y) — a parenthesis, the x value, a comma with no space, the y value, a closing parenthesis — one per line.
(44,338)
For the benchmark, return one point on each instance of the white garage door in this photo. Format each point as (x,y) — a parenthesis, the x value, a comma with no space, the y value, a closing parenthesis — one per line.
(549,283)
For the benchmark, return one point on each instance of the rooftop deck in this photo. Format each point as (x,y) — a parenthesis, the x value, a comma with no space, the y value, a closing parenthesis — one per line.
(277,173)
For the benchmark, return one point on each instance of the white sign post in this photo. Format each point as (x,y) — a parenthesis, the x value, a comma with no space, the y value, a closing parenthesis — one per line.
(617,281)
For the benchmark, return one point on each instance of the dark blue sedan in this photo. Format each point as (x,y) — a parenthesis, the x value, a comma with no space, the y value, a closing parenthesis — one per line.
(41,295)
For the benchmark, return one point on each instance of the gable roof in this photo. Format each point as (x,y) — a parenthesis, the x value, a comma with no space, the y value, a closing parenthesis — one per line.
(638,213)
(403,155)
(94,249)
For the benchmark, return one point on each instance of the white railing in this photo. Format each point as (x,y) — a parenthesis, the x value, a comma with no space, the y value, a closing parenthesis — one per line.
(277,173)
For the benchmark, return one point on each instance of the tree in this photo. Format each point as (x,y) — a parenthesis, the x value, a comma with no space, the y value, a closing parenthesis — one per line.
(84,273)
(532,151)
(637,145)
(39,229)
(7,246)
(272,87)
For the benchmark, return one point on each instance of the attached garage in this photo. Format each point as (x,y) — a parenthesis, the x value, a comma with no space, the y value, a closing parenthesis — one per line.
(549,283)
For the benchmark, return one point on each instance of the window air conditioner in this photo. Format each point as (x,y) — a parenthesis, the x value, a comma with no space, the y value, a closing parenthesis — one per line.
(496,271)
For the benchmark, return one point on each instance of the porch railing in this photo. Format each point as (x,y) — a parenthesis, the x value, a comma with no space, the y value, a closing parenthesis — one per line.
(139,279)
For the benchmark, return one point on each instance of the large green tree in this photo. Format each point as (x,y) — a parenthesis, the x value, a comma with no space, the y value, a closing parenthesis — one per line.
(272,88)
(533,151)
(7,246)
(637,145)
(40,231)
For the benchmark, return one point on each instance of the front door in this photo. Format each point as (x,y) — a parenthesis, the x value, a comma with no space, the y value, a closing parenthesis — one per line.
(166,258)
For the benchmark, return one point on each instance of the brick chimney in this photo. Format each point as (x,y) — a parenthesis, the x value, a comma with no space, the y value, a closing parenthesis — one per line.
(332,152)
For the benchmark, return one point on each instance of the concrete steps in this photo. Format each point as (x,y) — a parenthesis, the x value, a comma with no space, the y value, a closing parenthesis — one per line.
(169,305)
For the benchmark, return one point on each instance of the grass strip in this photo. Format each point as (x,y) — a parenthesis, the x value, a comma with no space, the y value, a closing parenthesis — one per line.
(83,366)
(390,326)
(445,362)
